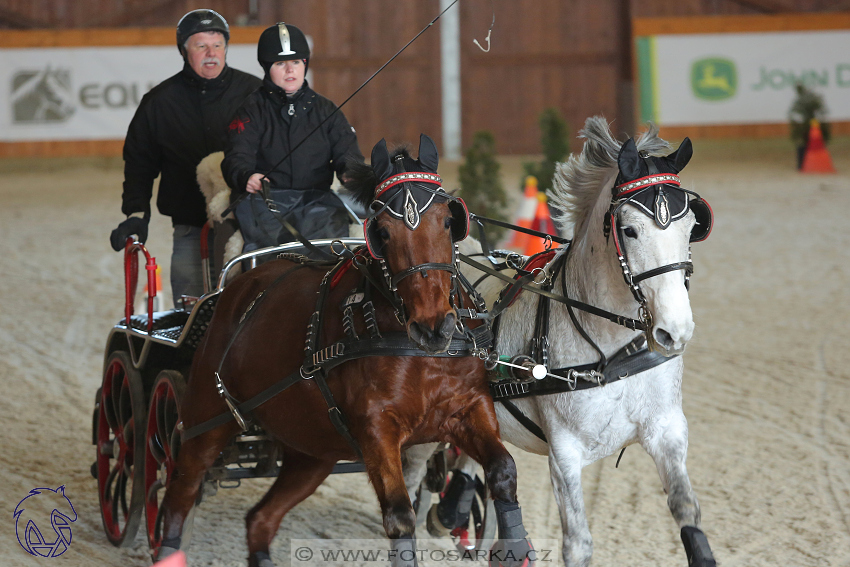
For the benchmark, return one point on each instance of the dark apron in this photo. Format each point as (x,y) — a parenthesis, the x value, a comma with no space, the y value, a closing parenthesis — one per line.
(315,213)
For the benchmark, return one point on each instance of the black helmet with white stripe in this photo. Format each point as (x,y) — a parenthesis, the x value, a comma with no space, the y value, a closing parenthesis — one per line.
(200,21)
(282,42)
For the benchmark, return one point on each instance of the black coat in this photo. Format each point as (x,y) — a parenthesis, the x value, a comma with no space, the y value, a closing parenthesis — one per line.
(177,124)
(263,132)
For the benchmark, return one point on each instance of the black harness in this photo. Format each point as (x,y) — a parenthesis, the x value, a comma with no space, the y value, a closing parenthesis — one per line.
(405,195)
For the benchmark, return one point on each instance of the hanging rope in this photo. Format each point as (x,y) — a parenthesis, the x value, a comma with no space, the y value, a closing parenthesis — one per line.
(487,39)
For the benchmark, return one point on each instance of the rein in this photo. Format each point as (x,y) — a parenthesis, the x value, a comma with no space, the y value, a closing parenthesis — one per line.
(522,283)
(319,361)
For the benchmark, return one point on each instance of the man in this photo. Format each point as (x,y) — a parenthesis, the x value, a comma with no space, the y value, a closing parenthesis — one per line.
(178,123)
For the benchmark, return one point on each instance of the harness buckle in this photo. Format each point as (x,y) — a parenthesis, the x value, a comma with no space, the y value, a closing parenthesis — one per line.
(222,391)
(342,252)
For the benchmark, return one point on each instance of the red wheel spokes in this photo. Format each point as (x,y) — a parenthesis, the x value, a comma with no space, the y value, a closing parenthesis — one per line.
(163,441)
(115,427)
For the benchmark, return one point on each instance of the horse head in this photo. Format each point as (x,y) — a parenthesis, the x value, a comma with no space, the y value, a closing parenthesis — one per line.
(651,225)
(411,232)
(649,221)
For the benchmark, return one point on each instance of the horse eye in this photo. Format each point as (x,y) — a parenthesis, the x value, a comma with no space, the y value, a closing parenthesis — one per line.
(384,234)
(630,232)
(448,223)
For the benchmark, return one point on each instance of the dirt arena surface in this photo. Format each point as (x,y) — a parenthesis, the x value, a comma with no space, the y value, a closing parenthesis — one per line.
(766,391)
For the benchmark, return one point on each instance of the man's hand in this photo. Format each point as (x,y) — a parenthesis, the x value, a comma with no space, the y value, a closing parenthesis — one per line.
(254,184)
(133,225)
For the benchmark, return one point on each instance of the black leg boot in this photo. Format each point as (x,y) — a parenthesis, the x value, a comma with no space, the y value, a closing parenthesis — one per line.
(697,548)
(404,552)
(453,509)
(512,549)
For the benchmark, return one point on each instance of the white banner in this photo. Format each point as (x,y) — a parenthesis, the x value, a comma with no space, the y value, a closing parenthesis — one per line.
(740,78)
(87,93)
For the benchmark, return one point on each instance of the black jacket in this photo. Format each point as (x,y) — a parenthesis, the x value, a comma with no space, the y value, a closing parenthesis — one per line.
(263,132)
(177,124)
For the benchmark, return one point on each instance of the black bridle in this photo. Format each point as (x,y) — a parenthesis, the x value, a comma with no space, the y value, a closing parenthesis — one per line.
(390,191)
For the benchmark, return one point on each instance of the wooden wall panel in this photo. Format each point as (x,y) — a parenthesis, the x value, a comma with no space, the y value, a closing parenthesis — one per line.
(566,54)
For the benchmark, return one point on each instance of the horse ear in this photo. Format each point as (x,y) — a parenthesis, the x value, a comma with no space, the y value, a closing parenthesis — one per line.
(428,157)
(680,158)
(381,164)
(629,161)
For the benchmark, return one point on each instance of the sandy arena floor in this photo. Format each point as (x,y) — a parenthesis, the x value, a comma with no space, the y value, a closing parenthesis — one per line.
(767,384)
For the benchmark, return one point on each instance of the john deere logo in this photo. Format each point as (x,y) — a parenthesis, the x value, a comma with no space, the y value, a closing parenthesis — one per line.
(42,96)
(714,79)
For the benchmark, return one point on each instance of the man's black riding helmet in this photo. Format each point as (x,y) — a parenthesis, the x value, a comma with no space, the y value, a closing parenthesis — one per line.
(200,21)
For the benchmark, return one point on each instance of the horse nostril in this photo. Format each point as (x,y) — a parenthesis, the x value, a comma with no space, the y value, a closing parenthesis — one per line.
(663,338)
(448,327)
(414,331)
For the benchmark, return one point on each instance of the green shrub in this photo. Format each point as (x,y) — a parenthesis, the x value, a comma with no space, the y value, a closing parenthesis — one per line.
(556,145)
(481,185)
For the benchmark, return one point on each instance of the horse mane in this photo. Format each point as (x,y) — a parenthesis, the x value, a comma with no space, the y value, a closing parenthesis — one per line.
(579,180)
(361,179)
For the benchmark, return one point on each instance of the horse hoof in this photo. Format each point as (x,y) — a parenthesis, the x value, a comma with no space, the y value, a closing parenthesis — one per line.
(262,559)
(697,548)
(435,526)
(164,553)
(512,553)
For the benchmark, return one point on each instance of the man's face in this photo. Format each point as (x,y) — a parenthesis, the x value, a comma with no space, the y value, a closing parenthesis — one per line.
(205,53)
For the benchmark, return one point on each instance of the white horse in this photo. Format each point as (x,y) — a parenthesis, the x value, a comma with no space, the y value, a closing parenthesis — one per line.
(583,426)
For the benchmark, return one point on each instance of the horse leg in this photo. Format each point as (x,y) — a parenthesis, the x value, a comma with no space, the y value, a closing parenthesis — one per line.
(478,437)
(414,463)
(565,472)
(181,494)
(668,447)
(299,477)
(382,457)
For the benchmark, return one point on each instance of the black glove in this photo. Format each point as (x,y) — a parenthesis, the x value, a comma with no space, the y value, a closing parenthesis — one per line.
(133,225)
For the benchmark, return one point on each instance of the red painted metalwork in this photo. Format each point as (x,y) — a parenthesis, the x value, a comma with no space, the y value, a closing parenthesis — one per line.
(131,279)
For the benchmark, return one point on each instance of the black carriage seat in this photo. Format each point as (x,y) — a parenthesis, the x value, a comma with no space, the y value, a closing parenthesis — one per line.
(170,326)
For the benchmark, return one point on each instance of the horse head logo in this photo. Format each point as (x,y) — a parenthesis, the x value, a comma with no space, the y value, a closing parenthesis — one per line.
(62,515)
(42,96)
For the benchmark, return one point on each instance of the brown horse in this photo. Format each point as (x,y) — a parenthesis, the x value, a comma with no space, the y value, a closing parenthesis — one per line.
(389,402)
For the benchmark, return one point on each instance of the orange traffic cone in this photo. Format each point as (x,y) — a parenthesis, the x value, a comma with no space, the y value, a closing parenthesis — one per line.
(817,159)
(543,223)
(527,210)
(174,560)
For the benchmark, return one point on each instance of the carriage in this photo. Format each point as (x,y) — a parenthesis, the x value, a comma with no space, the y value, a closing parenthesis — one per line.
(139,417)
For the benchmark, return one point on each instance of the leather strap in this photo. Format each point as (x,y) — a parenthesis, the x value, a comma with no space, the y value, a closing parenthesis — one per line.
(524,420)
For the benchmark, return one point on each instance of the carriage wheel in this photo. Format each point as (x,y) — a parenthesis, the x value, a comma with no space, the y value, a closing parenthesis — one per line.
(482,522)
(120,449)
(161,448)
(483,515)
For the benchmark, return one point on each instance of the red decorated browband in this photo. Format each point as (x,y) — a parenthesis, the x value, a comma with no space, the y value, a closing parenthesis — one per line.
(648,181)
(404,177)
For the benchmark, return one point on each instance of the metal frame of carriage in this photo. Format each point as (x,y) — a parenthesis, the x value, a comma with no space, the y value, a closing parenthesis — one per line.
(136,426)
